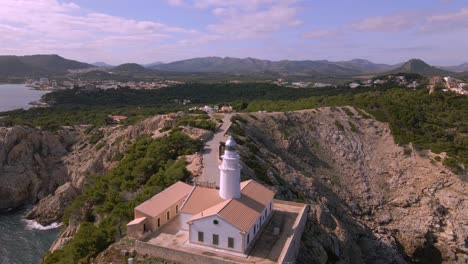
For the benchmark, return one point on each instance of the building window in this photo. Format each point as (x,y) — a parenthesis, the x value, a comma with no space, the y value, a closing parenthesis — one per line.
(255,229)
(215,222)
(215,239)
(159,222)
(177,209)
(230,242)
(168,215)
(266,213)
(200,236)
(248,239)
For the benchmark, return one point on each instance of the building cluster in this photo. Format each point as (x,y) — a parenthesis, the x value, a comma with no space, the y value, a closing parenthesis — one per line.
(394,79)
(213,109)
(46,84)
(447,84)
(455,85)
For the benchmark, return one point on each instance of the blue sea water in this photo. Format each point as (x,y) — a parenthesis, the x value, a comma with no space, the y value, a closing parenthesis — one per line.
(15,96)
(21,241)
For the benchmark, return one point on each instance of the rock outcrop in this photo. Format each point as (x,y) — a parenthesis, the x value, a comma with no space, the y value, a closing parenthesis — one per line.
(52,168)
(372,201)
(31,165)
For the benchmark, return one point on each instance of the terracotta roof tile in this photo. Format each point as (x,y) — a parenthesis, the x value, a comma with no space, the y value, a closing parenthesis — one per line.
(163,200)
(243,212)
(201,199)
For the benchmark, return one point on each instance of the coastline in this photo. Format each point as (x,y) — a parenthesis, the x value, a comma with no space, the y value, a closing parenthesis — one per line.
(20,96)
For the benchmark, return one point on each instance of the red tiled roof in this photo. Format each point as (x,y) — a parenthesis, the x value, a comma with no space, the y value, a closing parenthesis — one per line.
(163,200)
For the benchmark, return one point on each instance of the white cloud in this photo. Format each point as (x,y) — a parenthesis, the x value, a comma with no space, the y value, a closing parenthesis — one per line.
(323,34)
(389,23)
(53,26)
(447,21)
(176,2)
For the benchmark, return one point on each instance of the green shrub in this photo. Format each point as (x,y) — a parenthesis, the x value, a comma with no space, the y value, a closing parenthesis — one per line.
(149,166)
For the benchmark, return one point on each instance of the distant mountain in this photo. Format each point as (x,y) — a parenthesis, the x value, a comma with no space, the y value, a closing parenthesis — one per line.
(156,63)
(366,65)
(462,75)
(53,63)
(102,64)
(96,74)
(12,66)
(129,68)
(420,67)
(236,65)
(459,68)
(34,65)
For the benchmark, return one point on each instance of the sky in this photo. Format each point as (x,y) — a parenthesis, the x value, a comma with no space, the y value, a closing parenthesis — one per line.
(146,31)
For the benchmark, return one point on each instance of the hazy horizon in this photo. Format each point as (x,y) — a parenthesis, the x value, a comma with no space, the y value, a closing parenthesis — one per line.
(144,32)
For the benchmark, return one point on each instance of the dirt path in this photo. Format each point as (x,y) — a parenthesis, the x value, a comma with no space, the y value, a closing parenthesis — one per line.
(210,156)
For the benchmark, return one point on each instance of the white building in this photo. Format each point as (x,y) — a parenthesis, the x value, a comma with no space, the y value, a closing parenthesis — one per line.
(230,218)
(321,85)
(354,85)
(449,79)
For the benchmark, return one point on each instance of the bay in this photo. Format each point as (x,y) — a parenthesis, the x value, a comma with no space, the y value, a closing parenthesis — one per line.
(16,96)
(22,241)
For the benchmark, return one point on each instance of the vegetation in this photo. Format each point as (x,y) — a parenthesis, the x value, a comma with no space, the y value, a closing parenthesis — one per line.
(199,121)
(147,168)
(436,122)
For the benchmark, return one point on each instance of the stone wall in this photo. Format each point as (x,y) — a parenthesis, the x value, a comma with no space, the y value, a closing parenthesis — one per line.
(178,256)
(292,245)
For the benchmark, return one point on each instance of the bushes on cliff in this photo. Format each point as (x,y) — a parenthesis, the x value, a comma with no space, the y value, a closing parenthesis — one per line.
(430,121)
(147,168)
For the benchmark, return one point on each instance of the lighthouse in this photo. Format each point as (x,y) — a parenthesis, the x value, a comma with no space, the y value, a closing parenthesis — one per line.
(229,187)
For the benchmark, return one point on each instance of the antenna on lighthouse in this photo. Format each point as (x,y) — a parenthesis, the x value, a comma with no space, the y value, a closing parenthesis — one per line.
(229,169)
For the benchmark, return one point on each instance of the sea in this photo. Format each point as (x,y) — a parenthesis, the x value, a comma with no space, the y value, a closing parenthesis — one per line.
(16,96)
(22,241)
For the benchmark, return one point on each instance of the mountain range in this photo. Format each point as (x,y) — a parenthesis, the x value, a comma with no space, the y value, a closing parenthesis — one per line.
(236,65)
(35,65)
(459,68)
(44,65)
(420,67)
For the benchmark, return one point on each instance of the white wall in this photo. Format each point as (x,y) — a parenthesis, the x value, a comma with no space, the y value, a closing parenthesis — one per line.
(152,222)
(259,223)
(184,218)
(223,229)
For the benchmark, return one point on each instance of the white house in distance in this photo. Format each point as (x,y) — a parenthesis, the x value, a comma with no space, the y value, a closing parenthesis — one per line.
(230,218)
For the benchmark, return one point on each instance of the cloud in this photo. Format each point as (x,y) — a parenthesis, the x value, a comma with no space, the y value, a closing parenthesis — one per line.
(177,2)
(446,21)
(323,34)
(390,23)
(52,26)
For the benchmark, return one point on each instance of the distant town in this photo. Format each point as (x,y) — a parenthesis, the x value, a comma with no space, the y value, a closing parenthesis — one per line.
(444,84)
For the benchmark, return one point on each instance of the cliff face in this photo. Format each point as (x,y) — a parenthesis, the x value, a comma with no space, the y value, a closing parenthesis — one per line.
(372,201)
(31,164)
(53,167)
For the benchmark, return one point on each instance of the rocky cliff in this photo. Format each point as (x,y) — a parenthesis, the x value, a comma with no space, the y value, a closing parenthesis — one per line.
(31,164)
(372,200)
(52,168)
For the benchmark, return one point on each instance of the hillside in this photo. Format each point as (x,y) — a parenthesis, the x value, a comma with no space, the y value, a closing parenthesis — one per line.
(458,68)
(36,65)
(372,201)
(12,66)
(129,68)
(227,64)
(419,67)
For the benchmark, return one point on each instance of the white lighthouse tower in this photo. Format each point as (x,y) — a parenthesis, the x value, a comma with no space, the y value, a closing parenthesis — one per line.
(230,167)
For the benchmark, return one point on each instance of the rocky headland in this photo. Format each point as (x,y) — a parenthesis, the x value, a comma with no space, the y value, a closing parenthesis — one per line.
(372,201)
